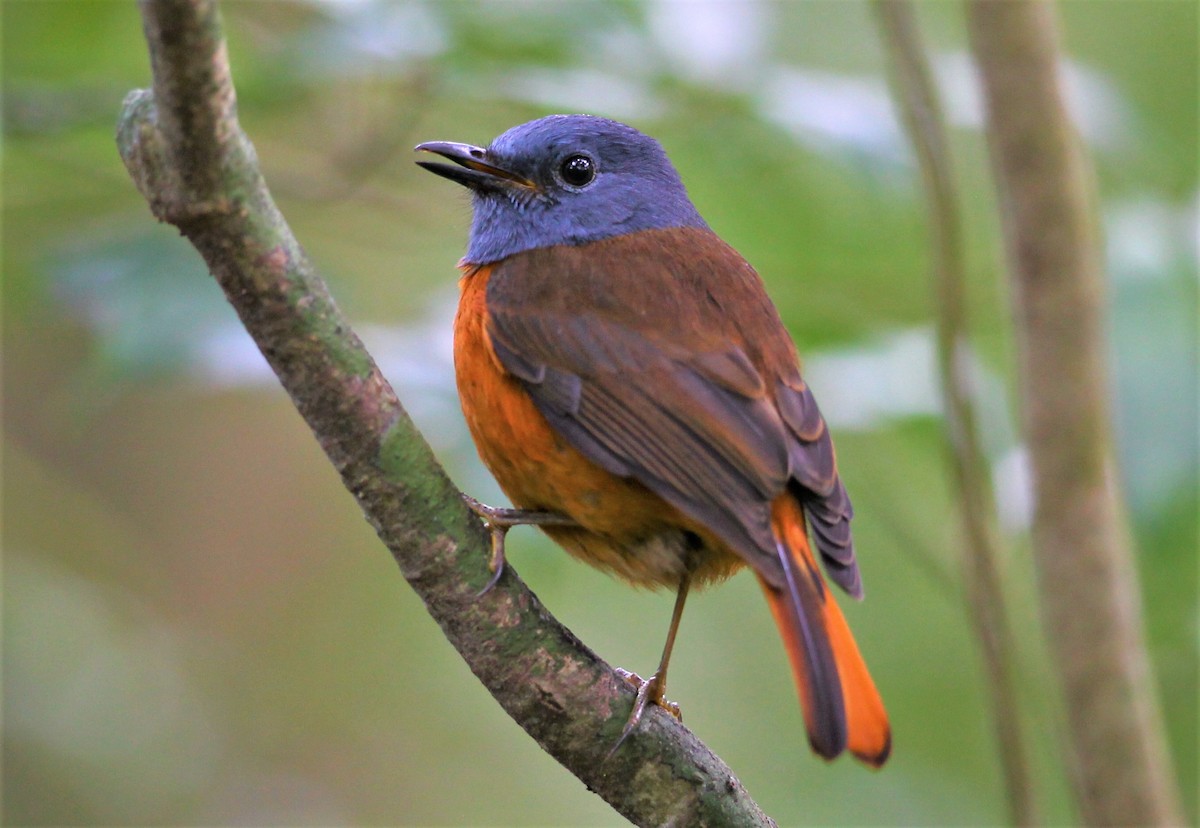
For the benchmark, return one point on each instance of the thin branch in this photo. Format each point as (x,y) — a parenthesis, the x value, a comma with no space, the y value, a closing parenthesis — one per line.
(185,151)
(1082,549)
(985,602)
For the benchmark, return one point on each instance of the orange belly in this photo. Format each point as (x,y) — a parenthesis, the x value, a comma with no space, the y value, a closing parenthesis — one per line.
(624,528)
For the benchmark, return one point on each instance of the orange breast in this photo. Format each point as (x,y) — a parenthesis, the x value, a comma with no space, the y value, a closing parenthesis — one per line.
(624,527)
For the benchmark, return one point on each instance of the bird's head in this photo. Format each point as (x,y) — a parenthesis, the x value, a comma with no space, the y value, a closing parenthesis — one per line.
(563,179)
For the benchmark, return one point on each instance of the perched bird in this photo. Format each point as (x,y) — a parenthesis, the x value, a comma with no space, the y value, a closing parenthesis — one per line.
(631,386)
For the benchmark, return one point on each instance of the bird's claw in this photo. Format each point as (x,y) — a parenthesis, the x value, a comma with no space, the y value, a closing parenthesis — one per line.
(498,520)
(497,527)
(648,692)
(497,559)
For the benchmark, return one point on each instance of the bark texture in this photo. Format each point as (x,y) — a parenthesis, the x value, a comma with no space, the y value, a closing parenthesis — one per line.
(1082,546)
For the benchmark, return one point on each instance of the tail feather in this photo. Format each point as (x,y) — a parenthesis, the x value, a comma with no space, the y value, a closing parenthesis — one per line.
(842,708)
(797,614)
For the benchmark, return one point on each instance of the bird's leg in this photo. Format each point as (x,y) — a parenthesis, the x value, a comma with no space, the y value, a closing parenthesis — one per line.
(651,692)
(498,521)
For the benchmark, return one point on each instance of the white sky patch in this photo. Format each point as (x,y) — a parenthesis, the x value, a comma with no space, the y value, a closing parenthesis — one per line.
(860,387)
(228,357)
(342,8)
(590,91)
(627,49)
(1095,106)
(833,112)
(1012,483)
(864,387)
(712,42)
(1193,236)
(1147,240)
(385,32)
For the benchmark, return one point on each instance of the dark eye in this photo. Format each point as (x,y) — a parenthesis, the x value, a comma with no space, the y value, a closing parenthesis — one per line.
(578,170)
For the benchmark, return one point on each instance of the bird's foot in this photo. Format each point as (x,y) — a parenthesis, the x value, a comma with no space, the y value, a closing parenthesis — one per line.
(648,692)
(498,521)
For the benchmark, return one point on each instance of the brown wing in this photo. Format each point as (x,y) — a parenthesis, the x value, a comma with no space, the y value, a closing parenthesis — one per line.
(659,356)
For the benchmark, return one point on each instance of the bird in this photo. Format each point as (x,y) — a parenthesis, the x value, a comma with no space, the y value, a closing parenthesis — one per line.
(632,388)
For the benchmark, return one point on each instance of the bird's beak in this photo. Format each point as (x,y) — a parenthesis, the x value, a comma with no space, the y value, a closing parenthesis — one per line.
(471,167)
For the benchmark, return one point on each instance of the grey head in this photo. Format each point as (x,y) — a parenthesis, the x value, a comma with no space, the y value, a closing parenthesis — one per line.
(563,179)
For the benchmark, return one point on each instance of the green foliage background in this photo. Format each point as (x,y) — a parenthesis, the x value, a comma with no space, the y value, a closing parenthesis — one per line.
(200,628)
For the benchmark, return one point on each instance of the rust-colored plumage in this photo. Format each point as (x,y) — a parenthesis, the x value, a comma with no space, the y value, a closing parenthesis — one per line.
(810,606)
(644,386)
(633,390)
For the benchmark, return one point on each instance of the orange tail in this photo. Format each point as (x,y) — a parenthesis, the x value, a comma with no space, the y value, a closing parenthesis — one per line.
(842,708)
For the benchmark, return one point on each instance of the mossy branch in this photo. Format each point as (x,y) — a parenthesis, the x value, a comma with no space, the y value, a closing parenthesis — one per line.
(182,145)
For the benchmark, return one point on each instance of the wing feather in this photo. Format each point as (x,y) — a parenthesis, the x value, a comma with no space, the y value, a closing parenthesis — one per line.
(653,382)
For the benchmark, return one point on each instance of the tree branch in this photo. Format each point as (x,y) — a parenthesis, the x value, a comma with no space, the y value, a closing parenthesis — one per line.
(985,604)
(185,151)
(1086,579)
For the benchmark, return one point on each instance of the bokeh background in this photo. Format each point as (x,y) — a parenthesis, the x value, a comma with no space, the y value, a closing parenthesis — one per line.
(200,628)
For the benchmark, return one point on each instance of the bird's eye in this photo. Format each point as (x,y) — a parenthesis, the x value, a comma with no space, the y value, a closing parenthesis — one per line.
(578,170)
